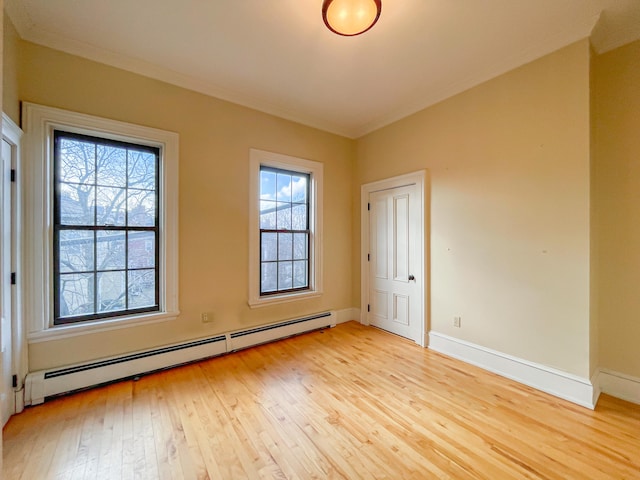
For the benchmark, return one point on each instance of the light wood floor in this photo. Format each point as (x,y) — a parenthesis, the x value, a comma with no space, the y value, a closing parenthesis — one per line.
(350,402)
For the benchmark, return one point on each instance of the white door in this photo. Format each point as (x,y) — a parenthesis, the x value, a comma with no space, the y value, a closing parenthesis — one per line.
(395,259)
(7,398)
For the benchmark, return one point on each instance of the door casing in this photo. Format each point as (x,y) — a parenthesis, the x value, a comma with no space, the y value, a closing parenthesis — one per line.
(12,134)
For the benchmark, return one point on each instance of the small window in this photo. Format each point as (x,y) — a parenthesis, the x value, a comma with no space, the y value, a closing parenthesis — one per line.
(284,231)
(285,228)
(106,228)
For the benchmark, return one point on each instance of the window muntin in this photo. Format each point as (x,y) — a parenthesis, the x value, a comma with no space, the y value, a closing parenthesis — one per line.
(284,231)
(106,228)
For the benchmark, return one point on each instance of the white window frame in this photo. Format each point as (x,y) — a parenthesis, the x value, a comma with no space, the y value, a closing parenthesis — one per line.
(39,124)
(258,158)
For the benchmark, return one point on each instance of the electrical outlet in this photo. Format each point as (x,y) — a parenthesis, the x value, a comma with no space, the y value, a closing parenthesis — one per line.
(457,322)
(206,317)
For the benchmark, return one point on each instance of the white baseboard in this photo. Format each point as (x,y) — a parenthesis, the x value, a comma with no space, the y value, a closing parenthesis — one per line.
(555,382)
(347,314)
(618,385)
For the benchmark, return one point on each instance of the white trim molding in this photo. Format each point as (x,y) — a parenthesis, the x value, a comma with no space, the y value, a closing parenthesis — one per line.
(555,382)
(347,314)
(12,134)
(40,123)
(618,385)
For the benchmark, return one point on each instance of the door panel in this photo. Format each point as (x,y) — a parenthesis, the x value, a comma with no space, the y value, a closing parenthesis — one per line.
(380,237)
(401,237)
(401,309)
(380,304)
(395,239)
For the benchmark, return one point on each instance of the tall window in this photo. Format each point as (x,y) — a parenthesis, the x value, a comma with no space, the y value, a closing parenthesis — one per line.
(285,225)
(101,228)
(106,228)
(284,231)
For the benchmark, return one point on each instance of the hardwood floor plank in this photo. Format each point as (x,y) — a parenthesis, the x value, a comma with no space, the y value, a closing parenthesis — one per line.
(164,433)
(344,403)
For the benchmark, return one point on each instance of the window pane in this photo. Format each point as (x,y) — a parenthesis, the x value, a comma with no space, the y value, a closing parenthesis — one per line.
(300,274)
(104,183)
(76,251)
(111,166)
(76,294)
(267,214)
(110,248)
(142,208)
(269,277)
(142,250)
(290,199)
(142,288)
(299,217)
(110,206)
(284,207)
(284,216)
(111,291)
(300,246)
(284,187)
(285,275)
(77,161)
(269,247)
(267,185)
(142,170)
(285,246)
(77,204)
(299,188)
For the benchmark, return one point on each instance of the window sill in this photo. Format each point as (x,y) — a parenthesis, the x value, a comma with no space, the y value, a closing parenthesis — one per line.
(73,330)
(277,299)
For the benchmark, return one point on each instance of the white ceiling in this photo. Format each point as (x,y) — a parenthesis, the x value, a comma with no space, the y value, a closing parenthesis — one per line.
(277,56)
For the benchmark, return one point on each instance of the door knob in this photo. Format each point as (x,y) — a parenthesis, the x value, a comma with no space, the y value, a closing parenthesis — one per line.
(411,277)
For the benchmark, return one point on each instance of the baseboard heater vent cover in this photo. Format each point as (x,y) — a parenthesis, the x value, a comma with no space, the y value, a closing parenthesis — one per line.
(43,384)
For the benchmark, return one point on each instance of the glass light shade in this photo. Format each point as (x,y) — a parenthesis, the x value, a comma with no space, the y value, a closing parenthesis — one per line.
(350,17)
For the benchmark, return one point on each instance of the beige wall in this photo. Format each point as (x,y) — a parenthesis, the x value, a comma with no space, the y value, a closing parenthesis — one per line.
(10,103)
(509,166)
(215,137)
(616,197)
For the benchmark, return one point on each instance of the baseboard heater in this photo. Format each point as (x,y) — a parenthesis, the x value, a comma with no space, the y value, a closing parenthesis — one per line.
(44,384)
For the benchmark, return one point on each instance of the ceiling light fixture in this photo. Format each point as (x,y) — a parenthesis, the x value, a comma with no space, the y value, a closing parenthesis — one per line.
(350,17)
